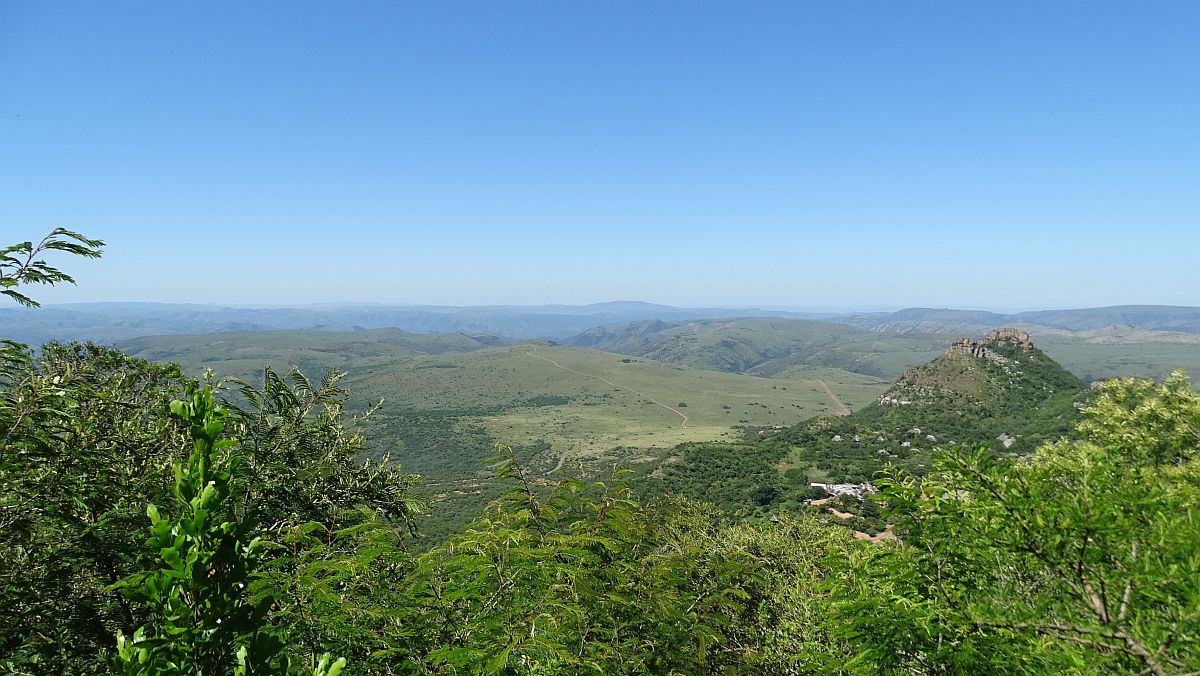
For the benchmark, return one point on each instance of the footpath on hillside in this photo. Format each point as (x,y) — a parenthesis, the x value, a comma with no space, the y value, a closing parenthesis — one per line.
(838,407)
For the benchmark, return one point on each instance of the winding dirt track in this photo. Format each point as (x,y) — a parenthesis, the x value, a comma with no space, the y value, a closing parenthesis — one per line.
(627,389)
(839,407)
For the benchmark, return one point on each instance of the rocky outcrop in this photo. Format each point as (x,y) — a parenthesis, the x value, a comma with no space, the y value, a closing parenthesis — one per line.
(980,350)
(1021,337)
(979,347)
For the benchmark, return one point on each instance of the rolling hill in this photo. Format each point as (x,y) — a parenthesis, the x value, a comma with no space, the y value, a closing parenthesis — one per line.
(243,354)
(764,345)
(1000,389)
(587,402)
(565,406)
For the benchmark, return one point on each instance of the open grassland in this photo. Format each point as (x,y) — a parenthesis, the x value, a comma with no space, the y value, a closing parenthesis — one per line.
(586,402)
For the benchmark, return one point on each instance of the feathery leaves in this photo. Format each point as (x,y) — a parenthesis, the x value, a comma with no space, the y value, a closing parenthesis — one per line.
(20,263)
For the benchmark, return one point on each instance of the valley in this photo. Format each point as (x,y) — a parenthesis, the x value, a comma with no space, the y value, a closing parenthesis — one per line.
(623,390)
(447,399)
(668,399)
(595,401)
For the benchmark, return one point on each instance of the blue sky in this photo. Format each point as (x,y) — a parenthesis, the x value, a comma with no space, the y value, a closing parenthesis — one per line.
(1016,154)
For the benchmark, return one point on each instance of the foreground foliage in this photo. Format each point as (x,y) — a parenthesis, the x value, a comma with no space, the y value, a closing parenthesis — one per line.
(584,580)
(202,620)
(87,441)
(1084,559)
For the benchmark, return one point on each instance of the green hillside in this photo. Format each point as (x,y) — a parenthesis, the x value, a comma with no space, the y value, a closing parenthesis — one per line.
(765,345)
(976,391)
(244,353)
(587,401)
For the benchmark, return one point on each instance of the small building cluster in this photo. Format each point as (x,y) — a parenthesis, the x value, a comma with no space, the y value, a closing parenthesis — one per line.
(853,490)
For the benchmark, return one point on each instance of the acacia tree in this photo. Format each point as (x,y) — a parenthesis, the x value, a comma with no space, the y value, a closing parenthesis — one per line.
(85,440)
(337,522)
(21,263)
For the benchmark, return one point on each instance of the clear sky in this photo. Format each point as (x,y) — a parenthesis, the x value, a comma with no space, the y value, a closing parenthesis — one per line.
(967,154)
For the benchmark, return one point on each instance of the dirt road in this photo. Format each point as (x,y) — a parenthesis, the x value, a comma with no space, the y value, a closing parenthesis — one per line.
(838,407)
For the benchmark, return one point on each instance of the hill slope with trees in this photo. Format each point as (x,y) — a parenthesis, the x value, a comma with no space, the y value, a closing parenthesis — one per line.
(763,345)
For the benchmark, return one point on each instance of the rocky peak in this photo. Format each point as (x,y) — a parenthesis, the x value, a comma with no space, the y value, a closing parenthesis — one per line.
(981,349)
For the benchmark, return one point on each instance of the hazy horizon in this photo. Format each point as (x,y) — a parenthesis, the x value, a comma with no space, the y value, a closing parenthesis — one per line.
(831,309)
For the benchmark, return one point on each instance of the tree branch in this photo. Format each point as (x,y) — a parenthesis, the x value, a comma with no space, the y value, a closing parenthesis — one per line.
(1125,597)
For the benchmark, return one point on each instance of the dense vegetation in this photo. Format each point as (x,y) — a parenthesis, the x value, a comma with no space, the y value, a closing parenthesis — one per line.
(155,523)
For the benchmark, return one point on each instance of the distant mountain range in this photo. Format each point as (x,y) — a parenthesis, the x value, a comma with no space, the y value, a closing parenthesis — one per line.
(108,323)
